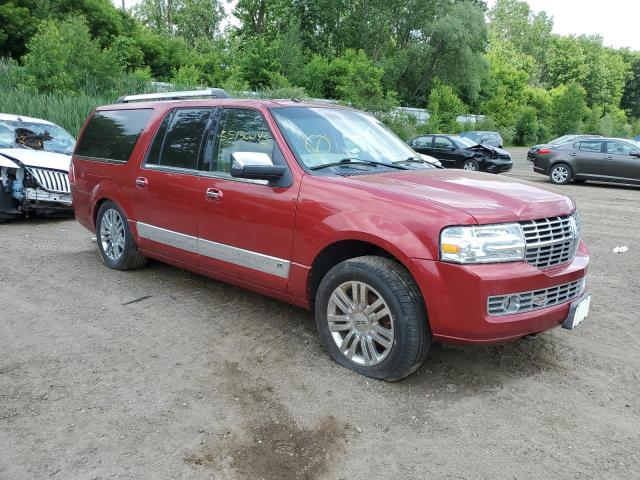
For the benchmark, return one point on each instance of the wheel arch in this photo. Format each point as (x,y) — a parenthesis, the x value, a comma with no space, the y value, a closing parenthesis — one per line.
(341,250)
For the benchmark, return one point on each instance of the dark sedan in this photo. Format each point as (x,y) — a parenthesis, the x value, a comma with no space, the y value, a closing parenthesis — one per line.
(564,140)
(459,152)
(602,159)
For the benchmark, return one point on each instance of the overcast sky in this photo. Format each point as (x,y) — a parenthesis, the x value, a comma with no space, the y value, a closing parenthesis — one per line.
(617,21)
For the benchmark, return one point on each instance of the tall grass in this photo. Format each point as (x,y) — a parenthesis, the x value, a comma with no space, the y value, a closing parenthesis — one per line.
(68,111)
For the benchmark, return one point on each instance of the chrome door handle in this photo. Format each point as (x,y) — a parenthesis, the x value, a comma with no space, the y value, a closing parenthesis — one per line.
(572,154)
(213,194)
(141,182)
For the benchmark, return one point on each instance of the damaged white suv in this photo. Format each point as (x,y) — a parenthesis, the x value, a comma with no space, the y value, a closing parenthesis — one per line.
(34,163)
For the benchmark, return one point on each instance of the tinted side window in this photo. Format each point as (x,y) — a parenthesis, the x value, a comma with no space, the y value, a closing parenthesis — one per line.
(183,138)
(112,134)
(620,148)
(240,130)
(156,147)
(442,142)
(593,147)
(423,141)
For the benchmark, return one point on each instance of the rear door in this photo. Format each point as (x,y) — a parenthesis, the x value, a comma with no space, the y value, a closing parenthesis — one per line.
(620,162)
(423,144)
(587,157)
(165,186)
(245,226)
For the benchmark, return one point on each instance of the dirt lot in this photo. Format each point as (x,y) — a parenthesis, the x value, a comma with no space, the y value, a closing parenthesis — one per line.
(201,380)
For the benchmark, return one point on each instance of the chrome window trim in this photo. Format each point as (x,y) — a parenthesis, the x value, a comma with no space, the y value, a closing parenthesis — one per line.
(218,251)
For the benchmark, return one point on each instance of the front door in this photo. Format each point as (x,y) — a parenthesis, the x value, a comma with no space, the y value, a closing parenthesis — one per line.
(165,199)
(245,226)
(445,151)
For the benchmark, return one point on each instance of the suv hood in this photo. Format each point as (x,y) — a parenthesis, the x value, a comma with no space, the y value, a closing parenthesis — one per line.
(487,197)
(37,158)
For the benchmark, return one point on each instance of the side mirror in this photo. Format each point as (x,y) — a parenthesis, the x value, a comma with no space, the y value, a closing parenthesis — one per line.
(256,166)
(635,154)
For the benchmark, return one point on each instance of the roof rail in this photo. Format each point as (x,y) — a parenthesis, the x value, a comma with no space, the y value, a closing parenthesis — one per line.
(206,93)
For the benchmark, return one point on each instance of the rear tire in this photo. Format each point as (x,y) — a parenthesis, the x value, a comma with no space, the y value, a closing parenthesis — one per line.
(371,318)
(117,248)
(560,174)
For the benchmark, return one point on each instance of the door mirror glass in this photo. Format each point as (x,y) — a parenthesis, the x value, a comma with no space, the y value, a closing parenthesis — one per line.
(255,165)
(635,154)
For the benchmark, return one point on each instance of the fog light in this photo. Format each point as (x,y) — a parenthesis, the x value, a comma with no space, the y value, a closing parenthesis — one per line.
(511,304)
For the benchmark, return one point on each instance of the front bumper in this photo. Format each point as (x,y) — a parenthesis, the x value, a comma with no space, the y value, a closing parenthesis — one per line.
(38,196)
(456,297)
(499,166)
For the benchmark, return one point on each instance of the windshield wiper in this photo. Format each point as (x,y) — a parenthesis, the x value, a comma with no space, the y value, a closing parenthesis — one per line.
(351,161)
(410,160)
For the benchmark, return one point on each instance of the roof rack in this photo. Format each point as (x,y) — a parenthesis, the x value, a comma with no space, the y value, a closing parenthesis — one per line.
(206,93)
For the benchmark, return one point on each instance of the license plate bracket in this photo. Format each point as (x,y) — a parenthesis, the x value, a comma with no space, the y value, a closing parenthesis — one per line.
(578,312)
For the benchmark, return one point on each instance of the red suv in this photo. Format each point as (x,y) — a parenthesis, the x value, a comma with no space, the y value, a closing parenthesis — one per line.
(323,207)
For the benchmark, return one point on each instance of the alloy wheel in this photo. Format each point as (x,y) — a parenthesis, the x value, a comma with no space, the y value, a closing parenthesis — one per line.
(360,323)
(112,236)
(560,174)
(470,166)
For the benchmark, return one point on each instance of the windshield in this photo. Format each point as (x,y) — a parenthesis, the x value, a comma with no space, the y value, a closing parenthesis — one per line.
(466,142)
(39,136)
(472,135)
(321,136)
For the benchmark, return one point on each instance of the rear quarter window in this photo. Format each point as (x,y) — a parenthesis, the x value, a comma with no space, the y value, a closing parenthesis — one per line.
(112,134)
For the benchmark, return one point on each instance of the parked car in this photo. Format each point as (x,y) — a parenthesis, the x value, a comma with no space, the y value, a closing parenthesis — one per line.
(323,207)
(603,159)
(493,139)
(34,162)
(460,152)
(565,139)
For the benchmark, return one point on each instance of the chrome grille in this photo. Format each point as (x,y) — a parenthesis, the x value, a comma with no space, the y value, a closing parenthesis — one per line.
(51,180)
(550,241)
(535,300)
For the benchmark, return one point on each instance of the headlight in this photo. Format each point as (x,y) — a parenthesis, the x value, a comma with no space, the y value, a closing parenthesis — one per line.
(482,244)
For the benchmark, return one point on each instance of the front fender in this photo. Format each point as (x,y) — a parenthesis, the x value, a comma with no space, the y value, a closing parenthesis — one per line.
(366,226)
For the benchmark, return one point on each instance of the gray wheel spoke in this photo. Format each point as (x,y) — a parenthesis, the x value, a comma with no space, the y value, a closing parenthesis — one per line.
(342,301)
(345,342)
(353,347)
(382,336)
(338,323)
(374,306)
(381,314)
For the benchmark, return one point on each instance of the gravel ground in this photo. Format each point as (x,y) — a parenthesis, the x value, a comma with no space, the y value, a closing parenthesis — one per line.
(201,380)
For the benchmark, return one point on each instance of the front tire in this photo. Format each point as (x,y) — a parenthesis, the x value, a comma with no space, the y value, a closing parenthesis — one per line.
(117,248)
(371,318)
(560,174)
(471,166)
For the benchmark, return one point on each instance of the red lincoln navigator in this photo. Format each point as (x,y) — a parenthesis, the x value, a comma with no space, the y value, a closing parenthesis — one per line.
(323,207)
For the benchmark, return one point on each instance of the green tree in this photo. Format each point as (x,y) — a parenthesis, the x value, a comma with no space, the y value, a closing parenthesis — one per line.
(569,106)
(189,19)
(444,107)
(62,57)
(19,21)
